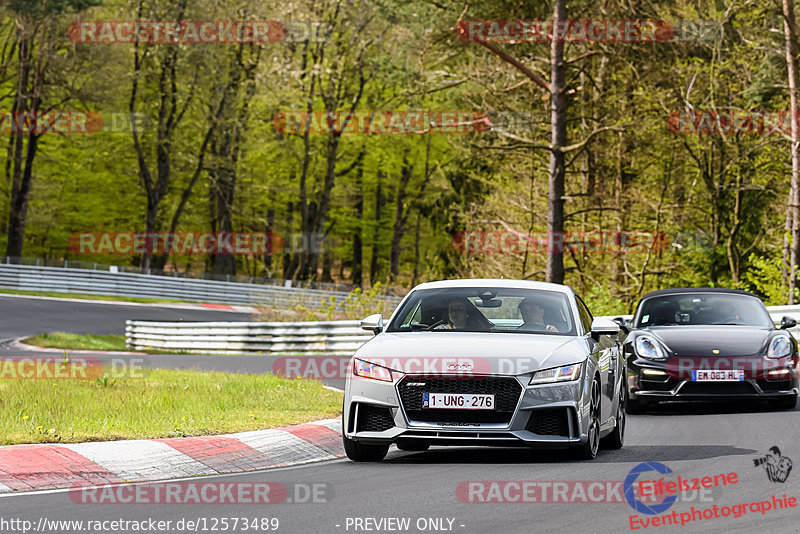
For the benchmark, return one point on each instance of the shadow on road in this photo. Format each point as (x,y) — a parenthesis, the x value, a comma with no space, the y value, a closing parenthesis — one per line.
(628,454)
(711,408)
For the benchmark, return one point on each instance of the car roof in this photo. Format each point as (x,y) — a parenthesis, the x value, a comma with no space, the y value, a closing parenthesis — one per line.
(495,282)
(680,290)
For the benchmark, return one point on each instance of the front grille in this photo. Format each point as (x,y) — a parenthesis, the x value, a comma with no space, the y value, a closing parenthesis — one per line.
(549,422)
(717,388)
(506,391)
(373,418)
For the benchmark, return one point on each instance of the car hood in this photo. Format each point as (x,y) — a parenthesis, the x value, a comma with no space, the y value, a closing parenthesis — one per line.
(495,353)
(703,340)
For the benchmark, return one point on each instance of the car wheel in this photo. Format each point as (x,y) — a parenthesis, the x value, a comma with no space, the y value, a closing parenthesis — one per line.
(362,452)
(588,451)
(785,403)
(617,436)
(635,407)
(412,445)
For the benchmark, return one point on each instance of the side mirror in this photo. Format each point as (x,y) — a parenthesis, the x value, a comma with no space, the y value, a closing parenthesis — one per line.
(623,324)
(373,322)
(788,322)
(604,327)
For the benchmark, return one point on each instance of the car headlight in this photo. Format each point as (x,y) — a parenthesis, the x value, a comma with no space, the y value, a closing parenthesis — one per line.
(556,374)
(648,347)
(371,370)
(779,347)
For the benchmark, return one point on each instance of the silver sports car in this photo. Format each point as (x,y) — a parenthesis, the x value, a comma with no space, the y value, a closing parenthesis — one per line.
(486,362)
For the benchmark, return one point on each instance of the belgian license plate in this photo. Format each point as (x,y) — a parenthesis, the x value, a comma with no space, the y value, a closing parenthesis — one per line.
(707,375)
(458,401)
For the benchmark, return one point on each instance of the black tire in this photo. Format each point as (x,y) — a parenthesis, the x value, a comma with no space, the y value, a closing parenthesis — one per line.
(412,445)
(785,403)
(362,452)
(635,407)
(588,451)
(617,437)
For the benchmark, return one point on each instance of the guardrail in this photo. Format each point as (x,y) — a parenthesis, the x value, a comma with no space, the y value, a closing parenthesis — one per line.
(67,280)
(312,337)
(238,337)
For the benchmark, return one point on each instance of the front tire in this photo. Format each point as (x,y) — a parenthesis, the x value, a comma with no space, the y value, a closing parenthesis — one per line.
(362,452)
(588,451)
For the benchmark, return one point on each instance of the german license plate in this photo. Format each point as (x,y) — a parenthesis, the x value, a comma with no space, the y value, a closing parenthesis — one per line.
(457,401)
(707,375)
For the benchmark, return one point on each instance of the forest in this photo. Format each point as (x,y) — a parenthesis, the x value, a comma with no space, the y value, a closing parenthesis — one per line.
(615,146)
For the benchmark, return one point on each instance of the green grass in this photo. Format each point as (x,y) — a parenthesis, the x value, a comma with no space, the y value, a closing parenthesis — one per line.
(62,340)
(86,296)
(160,403)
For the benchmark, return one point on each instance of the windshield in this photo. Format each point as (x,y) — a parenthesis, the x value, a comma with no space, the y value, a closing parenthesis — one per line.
(703,309)
(486,310)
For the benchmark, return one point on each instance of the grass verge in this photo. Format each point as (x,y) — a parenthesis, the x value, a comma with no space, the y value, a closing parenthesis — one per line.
(63,340)
(160,403)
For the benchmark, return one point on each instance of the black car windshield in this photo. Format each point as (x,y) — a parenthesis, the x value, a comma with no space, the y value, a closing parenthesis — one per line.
(487,309)
(703,309)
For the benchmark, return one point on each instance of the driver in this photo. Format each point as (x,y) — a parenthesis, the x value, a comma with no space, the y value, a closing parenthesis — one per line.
(458,314)
(533,316)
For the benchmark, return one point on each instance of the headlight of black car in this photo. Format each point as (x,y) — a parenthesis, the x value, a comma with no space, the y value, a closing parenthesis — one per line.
(648,347)
(779,347)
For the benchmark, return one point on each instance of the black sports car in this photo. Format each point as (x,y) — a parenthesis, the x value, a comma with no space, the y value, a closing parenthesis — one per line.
(709,344)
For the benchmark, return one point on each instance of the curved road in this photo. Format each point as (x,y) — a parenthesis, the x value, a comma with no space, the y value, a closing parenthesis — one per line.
(719,441)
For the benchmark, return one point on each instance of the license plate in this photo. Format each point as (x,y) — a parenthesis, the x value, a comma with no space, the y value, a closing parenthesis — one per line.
(707,375)
(457,401)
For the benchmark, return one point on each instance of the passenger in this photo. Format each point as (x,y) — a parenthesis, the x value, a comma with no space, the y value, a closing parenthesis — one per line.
(533,316)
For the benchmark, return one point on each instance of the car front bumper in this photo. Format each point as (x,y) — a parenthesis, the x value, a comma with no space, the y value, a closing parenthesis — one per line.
(544,415)
(652,381)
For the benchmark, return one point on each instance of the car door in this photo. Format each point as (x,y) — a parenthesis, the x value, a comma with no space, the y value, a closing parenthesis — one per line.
(605,352)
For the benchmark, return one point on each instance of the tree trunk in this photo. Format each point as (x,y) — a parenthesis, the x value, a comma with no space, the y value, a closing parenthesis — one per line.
(357,266)
(558,124)
(376,232)
(400,218)
(790,35)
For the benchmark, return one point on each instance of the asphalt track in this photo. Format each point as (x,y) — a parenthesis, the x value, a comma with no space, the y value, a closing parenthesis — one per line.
(694,441)
(23,316)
